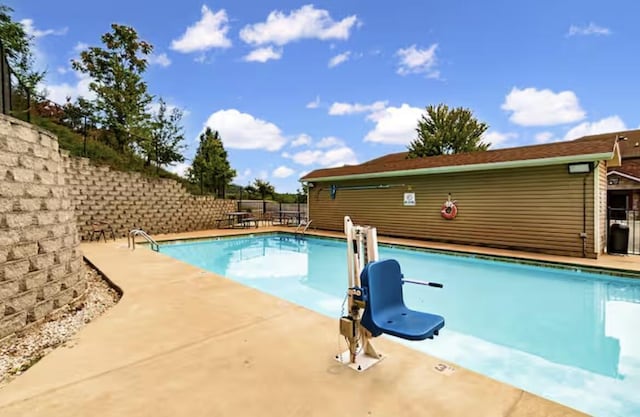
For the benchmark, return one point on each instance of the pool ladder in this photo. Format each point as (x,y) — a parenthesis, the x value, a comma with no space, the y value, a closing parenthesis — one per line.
(131,239)
(305,225)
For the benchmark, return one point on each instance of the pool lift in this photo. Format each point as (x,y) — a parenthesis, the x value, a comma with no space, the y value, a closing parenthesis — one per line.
(375,302)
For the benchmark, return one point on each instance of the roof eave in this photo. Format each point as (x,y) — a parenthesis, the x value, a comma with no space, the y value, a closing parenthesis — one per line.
(556,160)
(624,175)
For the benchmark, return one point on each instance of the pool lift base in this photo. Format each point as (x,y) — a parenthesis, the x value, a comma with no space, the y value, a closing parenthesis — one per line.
(363,360)
(362,253)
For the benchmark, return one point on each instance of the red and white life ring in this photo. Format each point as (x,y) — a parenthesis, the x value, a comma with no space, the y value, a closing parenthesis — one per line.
(449,210)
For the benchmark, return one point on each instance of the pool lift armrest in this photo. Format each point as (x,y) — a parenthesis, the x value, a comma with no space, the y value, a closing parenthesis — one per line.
(419,282)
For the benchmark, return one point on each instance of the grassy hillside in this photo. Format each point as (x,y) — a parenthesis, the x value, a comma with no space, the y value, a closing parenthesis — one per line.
(102,154)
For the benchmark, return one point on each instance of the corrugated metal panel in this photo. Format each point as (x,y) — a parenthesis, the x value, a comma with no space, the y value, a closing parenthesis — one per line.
(536,209)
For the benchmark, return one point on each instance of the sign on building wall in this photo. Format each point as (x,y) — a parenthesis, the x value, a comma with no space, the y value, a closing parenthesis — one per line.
(409,199)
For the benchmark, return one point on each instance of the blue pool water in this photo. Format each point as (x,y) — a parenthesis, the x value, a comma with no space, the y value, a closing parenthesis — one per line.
(569,336)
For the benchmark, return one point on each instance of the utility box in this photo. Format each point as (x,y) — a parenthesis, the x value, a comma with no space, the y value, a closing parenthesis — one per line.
(618,241)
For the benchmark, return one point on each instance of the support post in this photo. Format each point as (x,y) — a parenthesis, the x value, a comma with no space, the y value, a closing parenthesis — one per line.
(362,247)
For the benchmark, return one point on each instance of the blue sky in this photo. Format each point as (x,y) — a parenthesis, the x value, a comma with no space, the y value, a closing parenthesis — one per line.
(295,86)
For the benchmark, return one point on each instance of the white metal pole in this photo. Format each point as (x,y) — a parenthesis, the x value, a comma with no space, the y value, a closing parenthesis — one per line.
(372,244)
(349,230)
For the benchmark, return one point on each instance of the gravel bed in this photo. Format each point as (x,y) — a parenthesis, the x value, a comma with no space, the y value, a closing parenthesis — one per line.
(19,353)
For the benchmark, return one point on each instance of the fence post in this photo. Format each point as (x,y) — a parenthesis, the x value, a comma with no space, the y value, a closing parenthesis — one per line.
(84,134)
(2,79)
(28,105)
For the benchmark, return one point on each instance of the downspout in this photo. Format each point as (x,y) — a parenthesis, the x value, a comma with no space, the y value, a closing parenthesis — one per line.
(583,235)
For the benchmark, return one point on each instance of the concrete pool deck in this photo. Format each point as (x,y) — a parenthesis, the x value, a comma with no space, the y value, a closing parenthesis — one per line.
(183,341)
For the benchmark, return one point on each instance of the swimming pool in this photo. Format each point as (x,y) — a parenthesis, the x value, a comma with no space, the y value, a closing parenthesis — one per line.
(566,335)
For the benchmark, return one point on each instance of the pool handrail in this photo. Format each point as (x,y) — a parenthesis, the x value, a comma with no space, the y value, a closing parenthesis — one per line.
(305,224)
(131,237)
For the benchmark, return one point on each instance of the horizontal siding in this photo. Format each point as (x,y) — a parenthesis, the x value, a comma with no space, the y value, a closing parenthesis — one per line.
(535,209)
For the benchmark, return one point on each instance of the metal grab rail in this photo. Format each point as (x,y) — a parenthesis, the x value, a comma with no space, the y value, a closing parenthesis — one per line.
(305,223)
(139,232)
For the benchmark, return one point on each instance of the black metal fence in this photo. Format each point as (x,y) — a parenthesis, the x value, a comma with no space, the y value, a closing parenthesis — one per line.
(623,231)
(15,98)
(283,213)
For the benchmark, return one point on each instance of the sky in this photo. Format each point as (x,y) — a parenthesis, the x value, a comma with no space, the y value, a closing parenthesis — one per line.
(296,86)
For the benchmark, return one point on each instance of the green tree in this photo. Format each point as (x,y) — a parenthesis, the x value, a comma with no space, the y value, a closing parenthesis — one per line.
(210,167)
(444,131)
(79,115)
(263,188)
(121,92)
(302,193)
(18,46)
(163,142)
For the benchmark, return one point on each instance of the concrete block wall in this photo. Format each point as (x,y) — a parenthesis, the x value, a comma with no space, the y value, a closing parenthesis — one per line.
(40,262)
(128,200)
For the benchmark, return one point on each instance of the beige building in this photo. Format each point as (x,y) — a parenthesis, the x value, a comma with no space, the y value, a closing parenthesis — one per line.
(548,198)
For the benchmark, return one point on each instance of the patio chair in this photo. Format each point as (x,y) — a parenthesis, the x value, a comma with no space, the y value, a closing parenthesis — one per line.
(101,228)
(247,221)
(277,219)
(267,218)
(385,311)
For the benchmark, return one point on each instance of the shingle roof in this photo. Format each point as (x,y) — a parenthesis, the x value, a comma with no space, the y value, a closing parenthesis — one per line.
(398,162)
(629,148)
(629,167)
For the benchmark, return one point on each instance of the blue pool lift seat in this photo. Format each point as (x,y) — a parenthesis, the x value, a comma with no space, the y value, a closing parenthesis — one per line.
(385,311)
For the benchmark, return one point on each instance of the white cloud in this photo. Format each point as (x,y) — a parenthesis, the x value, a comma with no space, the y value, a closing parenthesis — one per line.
(58,93)
(306,22)
(495,138)
(263,54)
(243,131)
(544,137)
(314,104)
(533,107)
(62,70)
(208,32)
(340,109)
(329,142)
(31,30)
(339,59)
(303,173)
(301,140)
(418,61)
(282,172)
(263,175)
(245,176)
(161,60)
(80,46)
(180,168)
(590,29)
(331,158)
(40,58)
(608,124)
(394,125)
